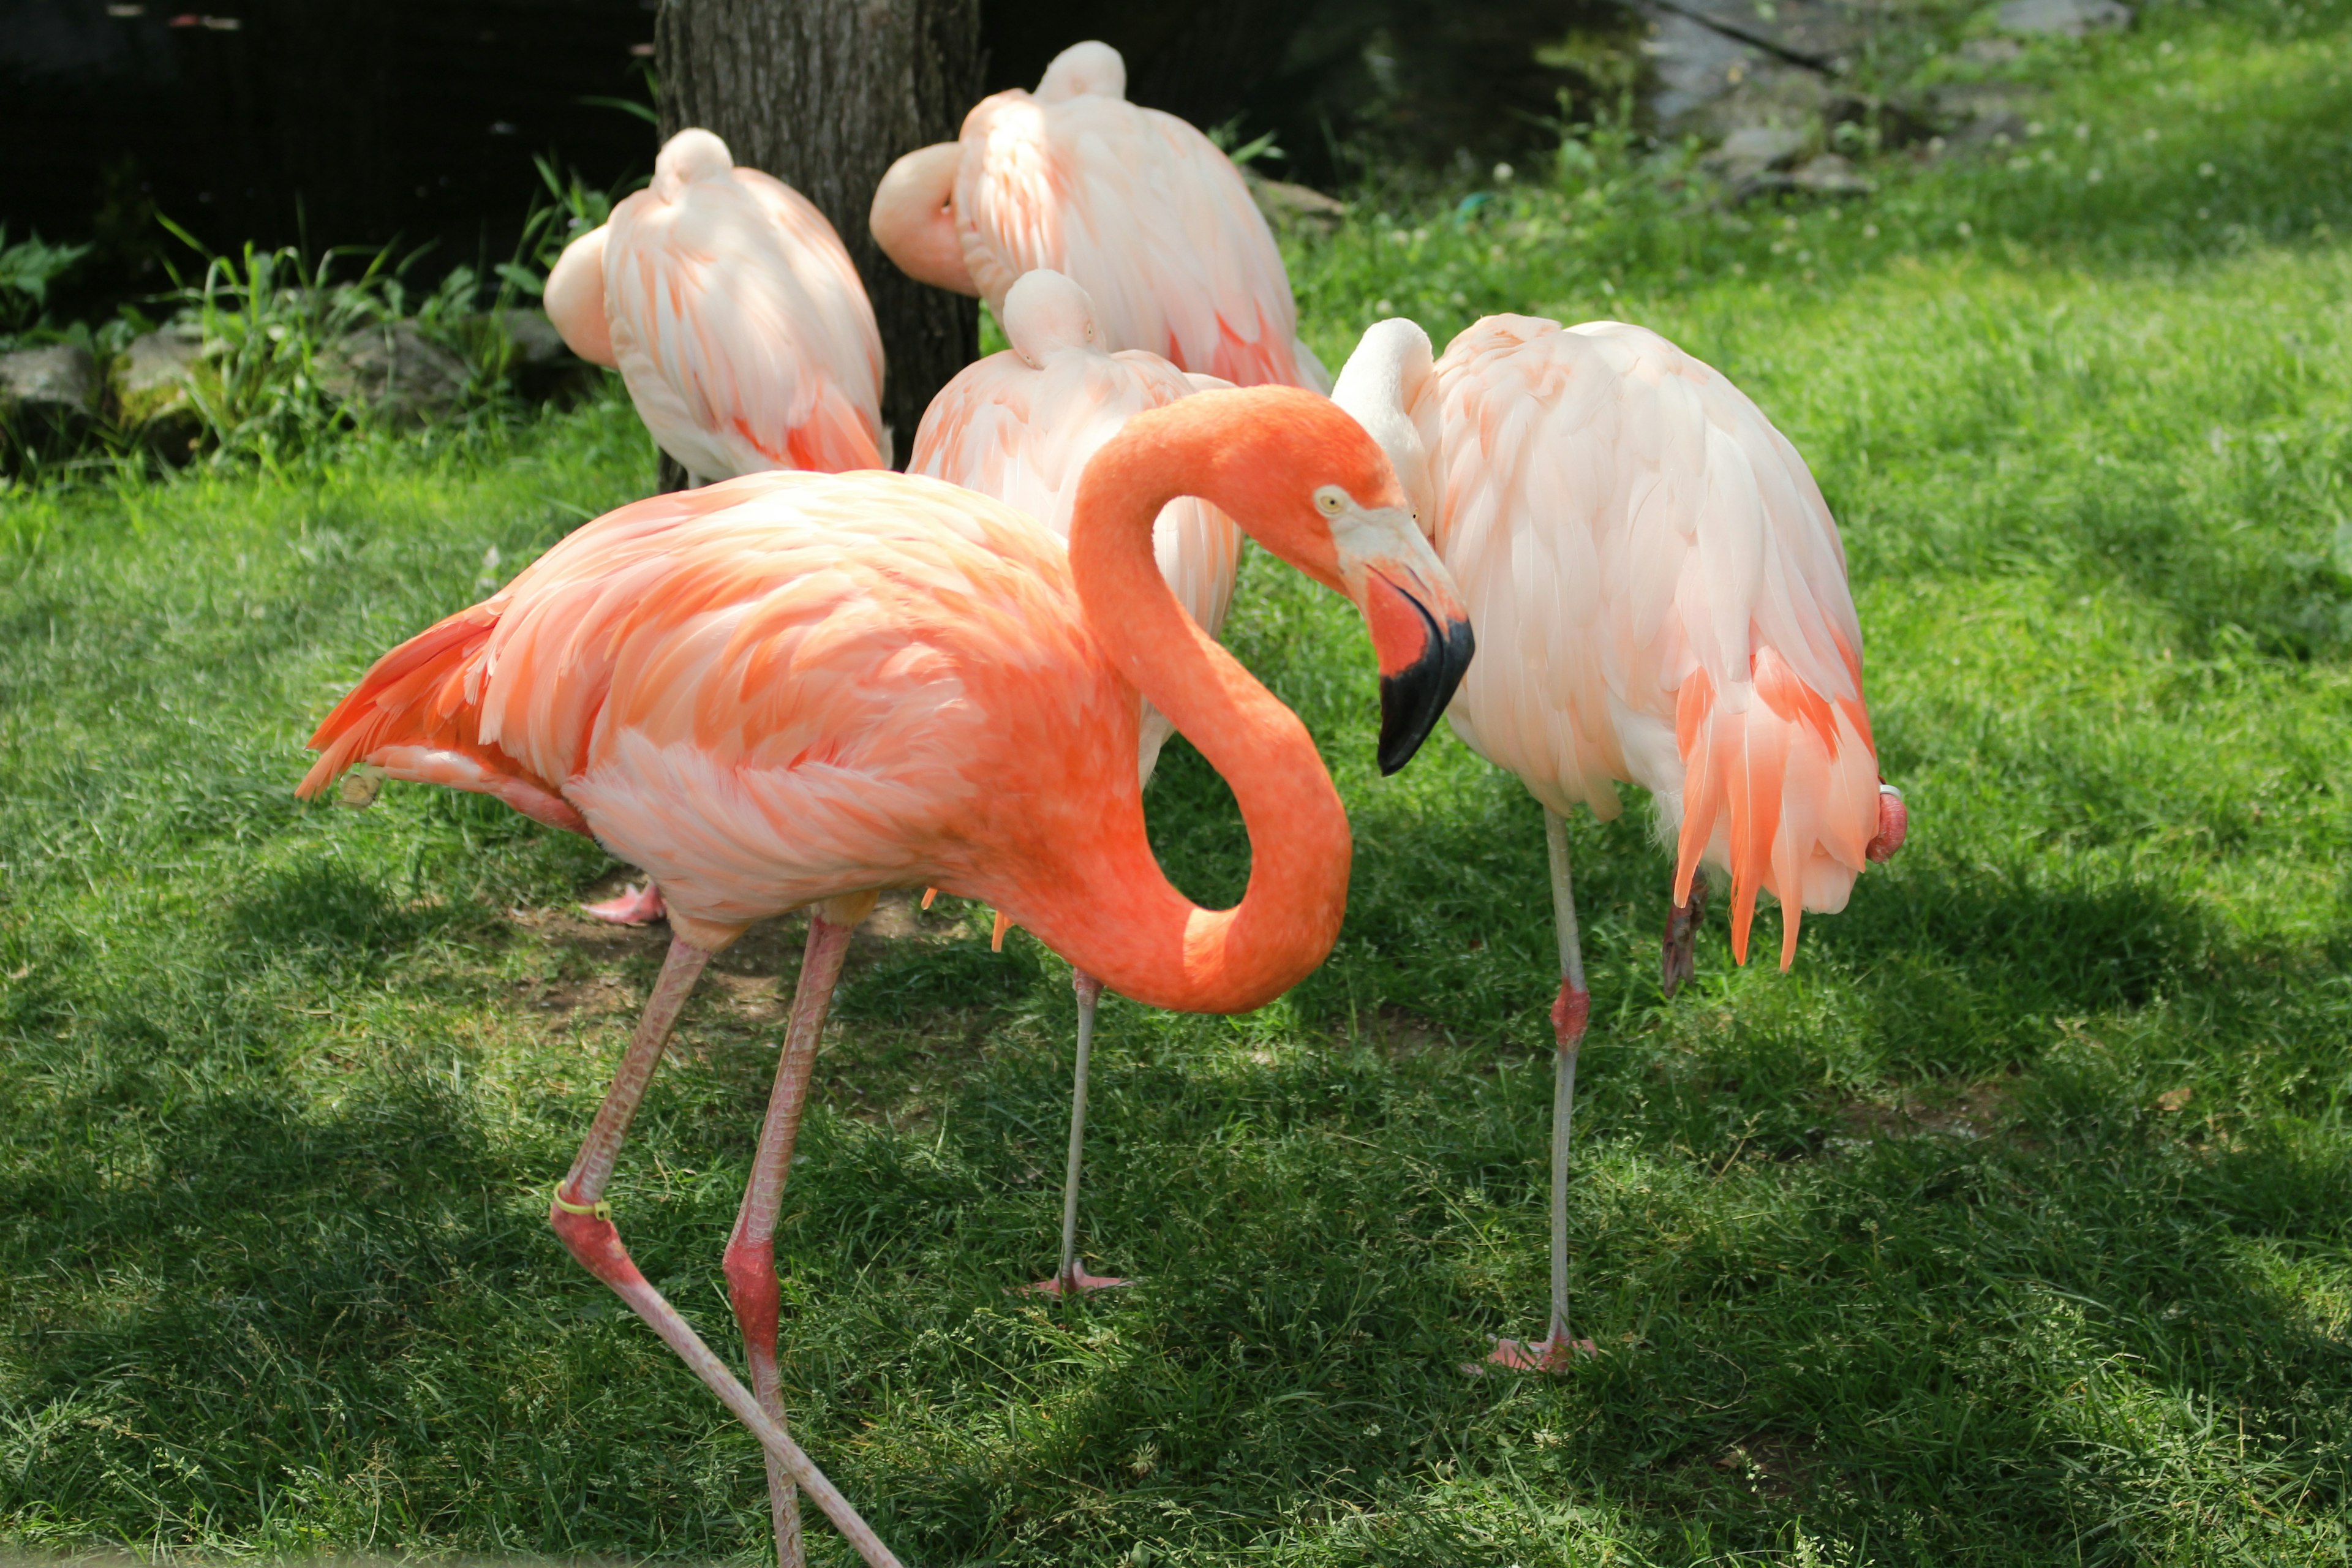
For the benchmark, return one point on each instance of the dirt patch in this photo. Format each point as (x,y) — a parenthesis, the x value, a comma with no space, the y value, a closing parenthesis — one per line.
(1769,1466)
(1974,1112)
(1400,1034)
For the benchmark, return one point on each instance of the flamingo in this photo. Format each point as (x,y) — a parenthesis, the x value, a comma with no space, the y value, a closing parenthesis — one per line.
(737,322)
(1020,426)
(793,690)
(1135,205)
(1662,594)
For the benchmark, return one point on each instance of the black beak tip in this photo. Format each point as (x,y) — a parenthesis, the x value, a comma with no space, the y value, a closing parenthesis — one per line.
(1414,698)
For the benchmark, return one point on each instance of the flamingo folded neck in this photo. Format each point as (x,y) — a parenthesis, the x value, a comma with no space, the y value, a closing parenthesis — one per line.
(1149,942)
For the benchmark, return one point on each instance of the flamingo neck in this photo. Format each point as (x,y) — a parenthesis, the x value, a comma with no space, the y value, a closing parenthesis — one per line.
(1151,942)
(1379,386)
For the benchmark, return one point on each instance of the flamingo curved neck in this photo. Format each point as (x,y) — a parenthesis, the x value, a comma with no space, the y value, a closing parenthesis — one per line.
(1151,942)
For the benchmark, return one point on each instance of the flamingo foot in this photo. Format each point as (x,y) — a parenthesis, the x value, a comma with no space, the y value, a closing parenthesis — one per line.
(1539,1355)
(1076,1282)
(638,907)
(1678,955)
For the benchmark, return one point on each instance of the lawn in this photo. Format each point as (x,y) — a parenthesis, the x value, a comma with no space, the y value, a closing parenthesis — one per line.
(2011,1227)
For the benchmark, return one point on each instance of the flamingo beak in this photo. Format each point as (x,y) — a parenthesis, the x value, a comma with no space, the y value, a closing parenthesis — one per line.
(1420,633)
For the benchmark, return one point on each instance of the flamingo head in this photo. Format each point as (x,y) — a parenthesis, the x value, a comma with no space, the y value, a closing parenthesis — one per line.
(1304,479)
(1378,384)
(1045,313)
(913,218)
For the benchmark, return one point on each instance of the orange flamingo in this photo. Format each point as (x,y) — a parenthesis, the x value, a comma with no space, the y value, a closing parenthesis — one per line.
(737,323)
(1137,206)
(1020,426)
(1663,596)
(793,690)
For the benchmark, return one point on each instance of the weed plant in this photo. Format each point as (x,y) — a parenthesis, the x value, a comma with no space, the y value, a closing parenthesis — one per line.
(2009,1228)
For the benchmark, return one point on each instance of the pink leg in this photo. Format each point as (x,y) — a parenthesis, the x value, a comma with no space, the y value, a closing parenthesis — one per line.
(1556,1351)
(583,1221)
(1678,956)
(752,1251)
(1071,1279)
(638,907)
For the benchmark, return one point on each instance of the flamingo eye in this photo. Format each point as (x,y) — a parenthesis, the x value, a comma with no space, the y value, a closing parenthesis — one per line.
(1330,501)
(1090,331)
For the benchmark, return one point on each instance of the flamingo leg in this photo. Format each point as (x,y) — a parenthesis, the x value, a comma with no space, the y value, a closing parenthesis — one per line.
(585,1226)
(1678,960)
(1071,1279)
(1556,1350)
(638,907)
(751,1250)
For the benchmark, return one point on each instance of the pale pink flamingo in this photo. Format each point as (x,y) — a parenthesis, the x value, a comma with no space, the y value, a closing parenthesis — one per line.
(1020,426)
(1661,597)
(739,325)
(793,690)
(1134,204)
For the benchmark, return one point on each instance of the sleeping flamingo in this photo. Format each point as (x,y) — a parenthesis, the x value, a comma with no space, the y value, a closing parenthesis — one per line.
(736,320)
(1662,596)
(733,314)
(1020,426)
(794,689)
(1134,204)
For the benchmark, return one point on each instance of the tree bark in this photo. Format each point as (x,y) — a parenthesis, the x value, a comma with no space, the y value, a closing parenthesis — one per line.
(824,94)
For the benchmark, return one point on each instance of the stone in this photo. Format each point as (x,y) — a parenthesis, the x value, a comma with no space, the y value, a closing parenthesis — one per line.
(56,381)
(1762,146)
(1753,160)
(1830,175)
(1284,203)
(1992,51)
(536,340)
(2071,18)
(1819,35)
(1984,115)
(149,379)
(393,370)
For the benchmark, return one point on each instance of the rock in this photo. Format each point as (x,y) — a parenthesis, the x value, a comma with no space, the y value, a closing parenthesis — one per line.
(48,398)
(536,340)
(537,361)
(1983,114)
(150,391)
(2071,18)
(1830,175)
(1761,146)
(150,380)
(394,372)
(1816,34)
(57,381)
(1752,158)
(1992,51)
(1284,203)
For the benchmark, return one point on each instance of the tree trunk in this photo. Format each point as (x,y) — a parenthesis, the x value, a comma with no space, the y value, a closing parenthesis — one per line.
(824,94)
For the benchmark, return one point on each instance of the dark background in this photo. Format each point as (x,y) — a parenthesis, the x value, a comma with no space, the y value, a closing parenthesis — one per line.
(409,122)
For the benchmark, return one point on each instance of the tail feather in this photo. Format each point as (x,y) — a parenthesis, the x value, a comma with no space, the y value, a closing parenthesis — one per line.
(416,715)
(1790,777)
(834,439)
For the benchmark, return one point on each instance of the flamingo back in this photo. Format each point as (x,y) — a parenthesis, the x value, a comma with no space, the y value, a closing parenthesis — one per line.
(1142,210)
(764,691)
(740,327)
(1023,434)
(1661,596)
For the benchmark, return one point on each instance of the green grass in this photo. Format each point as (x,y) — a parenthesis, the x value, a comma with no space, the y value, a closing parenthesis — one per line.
(2009,1228)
